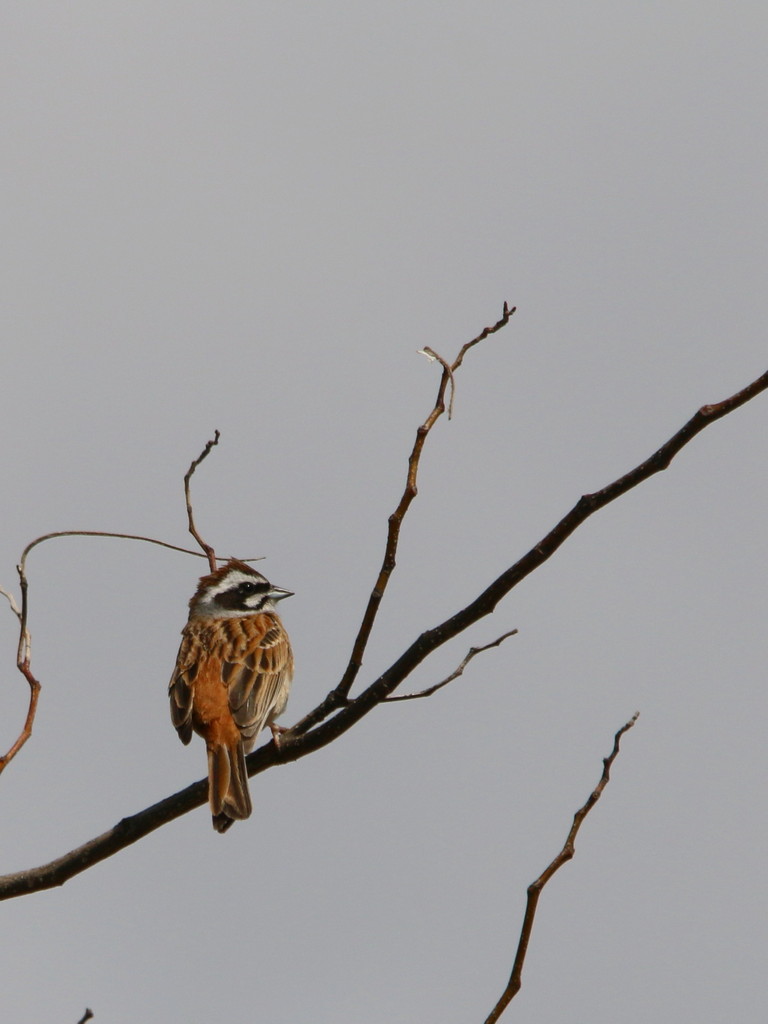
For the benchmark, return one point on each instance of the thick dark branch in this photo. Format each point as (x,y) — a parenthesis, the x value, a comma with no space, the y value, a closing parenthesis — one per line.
(131,829)
(486,602)
(473,651)
(123,834)
(88,1015)
(209,552)
(534,889)
(307,736)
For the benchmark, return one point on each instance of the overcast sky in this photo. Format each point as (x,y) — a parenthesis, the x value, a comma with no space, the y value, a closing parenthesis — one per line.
(250,217)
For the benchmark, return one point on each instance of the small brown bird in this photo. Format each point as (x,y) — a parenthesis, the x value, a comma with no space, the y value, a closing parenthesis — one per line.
(232,678)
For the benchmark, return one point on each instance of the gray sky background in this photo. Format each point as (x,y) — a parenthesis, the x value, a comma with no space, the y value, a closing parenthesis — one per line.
(250,217)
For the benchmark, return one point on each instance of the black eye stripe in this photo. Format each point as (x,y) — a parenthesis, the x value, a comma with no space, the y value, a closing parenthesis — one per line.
(243,596)
(247,587)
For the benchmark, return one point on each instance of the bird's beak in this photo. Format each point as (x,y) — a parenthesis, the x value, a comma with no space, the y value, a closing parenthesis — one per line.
(278,594)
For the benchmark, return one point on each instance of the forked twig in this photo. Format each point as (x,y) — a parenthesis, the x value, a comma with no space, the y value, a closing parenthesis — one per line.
(339,697)
(535,888)
(473,651)
(436,357)
(450,368)
(209,551)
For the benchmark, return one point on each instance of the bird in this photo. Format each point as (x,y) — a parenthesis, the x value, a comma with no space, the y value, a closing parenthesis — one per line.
(232,678)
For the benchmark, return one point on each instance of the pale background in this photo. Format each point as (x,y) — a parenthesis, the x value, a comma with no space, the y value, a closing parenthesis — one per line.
(251,217)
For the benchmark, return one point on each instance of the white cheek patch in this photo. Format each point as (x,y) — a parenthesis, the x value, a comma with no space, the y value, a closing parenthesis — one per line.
(207,611)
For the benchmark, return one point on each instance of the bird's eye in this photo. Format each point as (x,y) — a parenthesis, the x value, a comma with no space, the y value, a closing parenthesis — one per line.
(247,588)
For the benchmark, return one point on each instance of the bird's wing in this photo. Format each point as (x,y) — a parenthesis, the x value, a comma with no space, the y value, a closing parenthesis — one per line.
(180,688)
(257,667)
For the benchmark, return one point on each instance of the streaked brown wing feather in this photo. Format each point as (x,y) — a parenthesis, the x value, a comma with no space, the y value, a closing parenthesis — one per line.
(266,701)
(258,681)
(180,687)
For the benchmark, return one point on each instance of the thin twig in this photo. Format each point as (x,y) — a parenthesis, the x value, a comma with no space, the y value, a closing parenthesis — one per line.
(24,649)
(435,356)
(506,313)
(209,552)
(23,656)
(88,1015)
(341,694)
(104,533)
(11,601)
(535,888)
(454,675)
(26,732)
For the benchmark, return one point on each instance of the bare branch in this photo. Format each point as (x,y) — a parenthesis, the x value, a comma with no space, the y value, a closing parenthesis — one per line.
(436,357)
(316,729)
(506,313)
(455,674)
(397,517)
(12,602)
(104,533)
(88,1015)
(349,712)
(209,551)
(23,656)
(535,888)
(26,731)
(24,650)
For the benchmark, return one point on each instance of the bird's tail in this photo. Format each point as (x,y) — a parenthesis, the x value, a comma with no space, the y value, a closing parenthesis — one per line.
(228,784)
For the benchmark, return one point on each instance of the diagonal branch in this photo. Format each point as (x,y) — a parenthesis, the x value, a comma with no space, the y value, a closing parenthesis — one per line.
(339,697)
(307,735)
(209,552)
(473,651)
(535,888)
(485,603)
